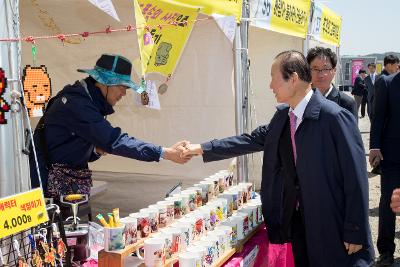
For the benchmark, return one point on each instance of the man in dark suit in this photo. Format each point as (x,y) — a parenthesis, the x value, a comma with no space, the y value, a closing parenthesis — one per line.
(359,90)
(317,202)
(323,62)
(369,85)
(390,63)
(384,148)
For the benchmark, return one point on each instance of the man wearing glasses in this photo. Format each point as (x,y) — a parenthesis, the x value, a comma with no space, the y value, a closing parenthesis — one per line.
(323,62)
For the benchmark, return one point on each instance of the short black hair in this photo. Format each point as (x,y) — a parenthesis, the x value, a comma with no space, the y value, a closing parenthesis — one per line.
(362,71)
(371,65)
(294,62)
(319,51)
(390,59)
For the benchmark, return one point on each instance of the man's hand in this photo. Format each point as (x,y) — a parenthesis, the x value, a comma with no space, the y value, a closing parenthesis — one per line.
(395,203)
(375,156)
(174,152)
(192,150)
(99,151)
(352,248)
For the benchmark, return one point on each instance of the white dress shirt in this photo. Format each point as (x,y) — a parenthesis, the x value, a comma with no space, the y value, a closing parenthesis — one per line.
(301,107)
(329,91)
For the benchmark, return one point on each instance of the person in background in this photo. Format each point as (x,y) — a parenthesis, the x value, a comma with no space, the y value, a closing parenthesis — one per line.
(323,62)
(74,130)
(391,66)
(369,85)
(359,90)
(384,150)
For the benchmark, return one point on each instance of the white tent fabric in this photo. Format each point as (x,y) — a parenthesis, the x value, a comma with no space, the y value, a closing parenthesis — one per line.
(199,103)
(263,47)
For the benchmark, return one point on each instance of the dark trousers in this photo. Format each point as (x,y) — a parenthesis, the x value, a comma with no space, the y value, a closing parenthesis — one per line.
(370,109)
(363,105)
(390,179)
(299,244)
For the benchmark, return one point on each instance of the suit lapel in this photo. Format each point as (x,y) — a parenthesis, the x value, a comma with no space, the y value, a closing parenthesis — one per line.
(314,106)
(334,95)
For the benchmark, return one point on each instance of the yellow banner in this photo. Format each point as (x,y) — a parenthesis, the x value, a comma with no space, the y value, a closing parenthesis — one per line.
(161,43)
(291,17)
(222,7)
(331,25)
(21,212)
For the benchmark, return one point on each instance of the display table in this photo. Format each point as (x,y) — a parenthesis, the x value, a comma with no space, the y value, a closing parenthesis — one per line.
(116,258)
(258,252)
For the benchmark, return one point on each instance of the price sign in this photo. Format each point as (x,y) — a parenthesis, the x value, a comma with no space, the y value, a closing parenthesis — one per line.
(21,212)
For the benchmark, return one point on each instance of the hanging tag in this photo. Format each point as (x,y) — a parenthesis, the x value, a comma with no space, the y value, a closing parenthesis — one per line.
(34,54)
(144,97)
(162,88)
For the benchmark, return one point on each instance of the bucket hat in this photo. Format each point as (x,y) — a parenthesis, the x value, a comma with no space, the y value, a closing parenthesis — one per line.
(113,70)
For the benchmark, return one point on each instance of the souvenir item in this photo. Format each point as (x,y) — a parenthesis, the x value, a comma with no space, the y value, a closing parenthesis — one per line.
(37,89)
(154,252)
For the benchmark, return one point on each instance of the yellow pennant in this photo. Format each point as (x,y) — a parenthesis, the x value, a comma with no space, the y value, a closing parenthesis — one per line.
(163,30)
(222,7)
(331,25)
(285,16)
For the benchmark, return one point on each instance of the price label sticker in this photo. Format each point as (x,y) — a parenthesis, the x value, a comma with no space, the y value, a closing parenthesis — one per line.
(22,211)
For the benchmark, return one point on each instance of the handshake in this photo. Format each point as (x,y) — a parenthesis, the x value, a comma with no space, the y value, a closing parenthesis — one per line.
(182,152)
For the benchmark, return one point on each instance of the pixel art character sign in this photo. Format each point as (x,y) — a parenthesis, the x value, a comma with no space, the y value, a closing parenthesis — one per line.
(37,89)
(4,106)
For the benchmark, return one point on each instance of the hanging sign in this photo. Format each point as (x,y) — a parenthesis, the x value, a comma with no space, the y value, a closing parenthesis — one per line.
(161,46)
(22,211)
(356,66)
(284,16)
(221,7)
(326,25)
(37,89)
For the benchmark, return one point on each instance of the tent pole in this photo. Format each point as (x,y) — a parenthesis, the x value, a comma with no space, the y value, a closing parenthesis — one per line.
(14,174)
(242,86)
(244,26)
(238,97)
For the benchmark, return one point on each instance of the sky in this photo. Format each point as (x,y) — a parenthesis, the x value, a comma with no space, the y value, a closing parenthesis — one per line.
(368,26)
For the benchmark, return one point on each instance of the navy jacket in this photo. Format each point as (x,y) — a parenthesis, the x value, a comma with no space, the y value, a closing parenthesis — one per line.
(385,128)
(343,100)
(370,87)
(75,124)
(331,169)
(359,87)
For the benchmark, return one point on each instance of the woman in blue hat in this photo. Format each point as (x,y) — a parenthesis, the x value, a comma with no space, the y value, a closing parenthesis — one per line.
(74,131)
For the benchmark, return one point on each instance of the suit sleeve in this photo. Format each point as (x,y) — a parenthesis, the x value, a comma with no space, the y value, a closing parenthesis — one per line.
(235,145)
(351,106)
(89,124)
(352,162)
(380,113)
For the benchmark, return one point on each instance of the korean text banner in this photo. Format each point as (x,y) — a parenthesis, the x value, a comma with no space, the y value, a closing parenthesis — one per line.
(21,212)
(161,44)
(222,7)
(326,25)
(285,16)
